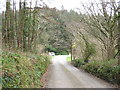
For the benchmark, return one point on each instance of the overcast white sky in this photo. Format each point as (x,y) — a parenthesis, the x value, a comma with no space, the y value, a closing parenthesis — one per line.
(68,4)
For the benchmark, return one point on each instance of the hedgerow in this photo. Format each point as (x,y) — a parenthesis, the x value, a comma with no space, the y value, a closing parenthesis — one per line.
(107,70)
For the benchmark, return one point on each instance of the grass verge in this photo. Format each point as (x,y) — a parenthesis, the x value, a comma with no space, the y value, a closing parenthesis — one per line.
(68,58)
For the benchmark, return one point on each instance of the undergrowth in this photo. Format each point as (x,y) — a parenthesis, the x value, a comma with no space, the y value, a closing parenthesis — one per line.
(23,71)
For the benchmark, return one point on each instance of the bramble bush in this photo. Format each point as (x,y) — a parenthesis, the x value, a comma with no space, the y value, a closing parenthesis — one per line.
(21,71)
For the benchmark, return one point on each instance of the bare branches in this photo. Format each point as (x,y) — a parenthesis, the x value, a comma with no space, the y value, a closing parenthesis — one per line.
(101,18)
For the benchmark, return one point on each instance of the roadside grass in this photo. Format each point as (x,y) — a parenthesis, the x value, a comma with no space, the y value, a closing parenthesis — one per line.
(68,58)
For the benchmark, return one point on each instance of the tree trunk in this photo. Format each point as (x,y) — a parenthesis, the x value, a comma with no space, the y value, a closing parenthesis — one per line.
(119,35)
(7,24)
(30,28)
(110,49)
(20,28)
(3,28)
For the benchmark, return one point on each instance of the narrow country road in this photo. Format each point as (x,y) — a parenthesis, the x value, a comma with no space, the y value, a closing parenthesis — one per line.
(64,75)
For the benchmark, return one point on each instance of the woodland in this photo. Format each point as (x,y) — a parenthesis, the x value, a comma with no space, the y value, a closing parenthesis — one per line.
(29,33)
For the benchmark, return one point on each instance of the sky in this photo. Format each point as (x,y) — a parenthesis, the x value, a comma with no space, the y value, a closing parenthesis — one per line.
(67,4)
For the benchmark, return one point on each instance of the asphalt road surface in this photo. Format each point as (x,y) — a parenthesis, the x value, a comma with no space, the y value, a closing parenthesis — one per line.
(64,75)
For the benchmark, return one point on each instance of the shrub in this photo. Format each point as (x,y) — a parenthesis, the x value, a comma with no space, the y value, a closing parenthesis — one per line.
(57,51)
(63,53)
(78,62)
(50,48)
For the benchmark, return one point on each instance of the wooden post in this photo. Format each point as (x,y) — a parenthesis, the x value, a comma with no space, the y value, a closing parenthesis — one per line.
(71,51)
